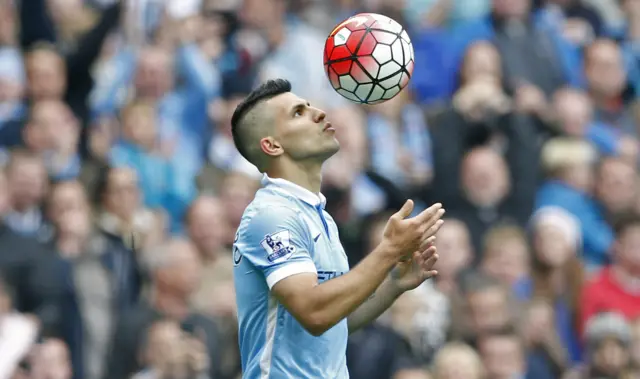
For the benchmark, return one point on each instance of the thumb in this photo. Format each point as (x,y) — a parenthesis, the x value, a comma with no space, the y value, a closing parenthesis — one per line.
(405,211)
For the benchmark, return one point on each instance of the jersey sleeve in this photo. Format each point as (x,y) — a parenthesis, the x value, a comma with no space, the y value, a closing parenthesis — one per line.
(276,241)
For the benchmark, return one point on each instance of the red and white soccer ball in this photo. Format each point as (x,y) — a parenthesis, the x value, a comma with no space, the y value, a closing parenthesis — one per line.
(368,58)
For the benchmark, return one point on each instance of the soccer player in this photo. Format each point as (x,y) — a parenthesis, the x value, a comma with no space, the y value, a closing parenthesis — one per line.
(297,300)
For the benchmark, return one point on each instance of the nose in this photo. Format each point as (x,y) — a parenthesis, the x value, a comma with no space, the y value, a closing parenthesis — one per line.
(320,115)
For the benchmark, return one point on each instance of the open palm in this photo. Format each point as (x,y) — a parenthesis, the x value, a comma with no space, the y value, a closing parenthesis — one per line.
(410,273)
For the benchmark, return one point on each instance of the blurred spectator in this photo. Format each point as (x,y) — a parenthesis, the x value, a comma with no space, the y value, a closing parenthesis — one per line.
(616,186)
(541,339)
(27,187)
(569,166)
(606,83)
(456,360)
(30,271)
(506,257)
(456,255)
(121,215)
(635,345)
(558,275)
(607,339)
(102,280)
(174,269)
(614,289)
(398,138)
(50,360)
(236,192)
(18,332)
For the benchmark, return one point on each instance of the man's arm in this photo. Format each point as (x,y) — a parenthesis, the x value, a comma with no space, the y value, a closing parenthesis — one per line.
(318,307)
(371,309)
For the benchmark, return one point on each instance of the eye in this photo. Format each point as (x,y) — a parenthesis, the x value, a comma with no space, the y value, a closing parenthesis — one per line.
(298,113)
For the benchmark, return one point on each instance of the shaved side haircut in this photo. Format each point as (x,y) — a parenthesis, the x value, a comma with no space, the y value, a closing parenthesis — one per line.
(249,120)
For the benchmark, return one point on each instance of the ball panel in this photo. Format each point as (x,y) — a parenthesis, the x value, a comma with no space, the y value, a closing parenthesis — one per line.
(369,65)
(397,53)
(354,40)
(328,49)
(340,52)
(358,74)
(384,37)
(347,82)
(388,69)
(382,53)
(404,80)
(349,95)
(333,77)
(409,68)
(363,91)
(367,46)
(407,50)
(391,93)
(391,81)
(341,67)
(405,36)
(376,94)
(341,37)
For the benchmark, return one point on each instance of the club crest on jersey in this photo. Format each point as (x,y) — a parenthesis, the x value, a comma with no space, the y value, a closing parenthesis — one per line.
(278,246)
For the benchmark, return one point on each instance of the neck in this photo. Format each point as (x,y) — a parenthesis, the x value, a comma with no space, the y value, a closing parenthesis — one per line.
(306,175)
(173,305)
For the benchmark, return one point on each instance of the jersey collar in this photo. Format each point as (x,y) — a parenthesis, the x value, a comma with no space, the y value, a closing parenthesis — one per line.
(292,189)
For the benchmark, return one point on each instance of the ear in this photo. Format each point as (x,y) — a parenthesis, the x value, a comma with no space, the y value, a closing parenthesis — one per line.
(271,147)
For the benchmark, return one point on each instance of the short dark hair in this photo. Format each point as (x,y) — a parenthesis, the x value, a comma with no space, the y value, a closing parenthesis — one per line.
(625,222)
(265,91)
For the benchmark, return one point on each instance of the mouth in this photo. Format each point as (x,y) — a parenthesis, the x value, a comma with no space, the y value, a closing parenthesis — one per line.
(328,127)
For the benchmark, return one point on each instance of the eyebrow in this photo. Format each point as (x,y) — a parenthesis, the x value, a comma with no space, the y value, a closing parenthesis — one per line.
(298,106)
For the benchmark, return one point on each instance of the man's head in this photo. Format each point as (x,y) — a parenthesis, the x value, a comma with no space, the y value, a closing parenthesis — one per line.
(454,247)
(485,177)
(27,179)
(272,126)
(175,268)
(506,254)
(49,121)
(207,225)
(616,184)
(457,360)
(119,192)
(573,111)
(154,74)
(570,160)
(46,74)
(487,304)
(627,245)
(511,9)
(604,69)
(503,354)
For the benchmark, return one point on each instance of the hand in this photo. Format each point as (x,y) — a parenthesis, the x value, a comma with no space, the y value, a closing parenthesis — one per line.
(530,99)
(196,354)
(410,274)
(404,236)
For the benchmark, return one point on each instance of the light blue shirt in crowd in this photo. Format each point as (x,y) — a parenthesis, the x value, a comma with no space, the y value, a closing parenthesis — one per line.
(286,231)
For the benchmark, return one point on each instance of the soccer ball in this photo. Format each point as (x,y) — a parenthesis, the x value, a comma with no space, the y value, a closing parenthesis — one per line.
(368,58)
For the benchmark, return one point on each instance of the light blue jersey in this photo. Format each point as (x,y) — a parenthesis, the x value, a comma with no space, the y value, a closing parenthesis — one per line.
(283,232)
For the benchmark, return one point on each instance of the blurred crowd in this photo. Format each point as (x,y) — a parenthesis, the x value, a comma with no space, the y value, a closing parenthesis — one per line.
(120,186)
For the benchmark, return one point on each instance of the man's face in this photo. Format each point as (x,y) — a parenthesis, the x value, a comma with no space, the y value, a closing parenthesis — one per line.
(511,8)
(50,122)
(183,274)
(605,70)
(122,196)
(301,130)
(27,182)
(485,177)
(454,248)
(628,249)
(67,198)
(502,356)
(616,186)
(46,75)
(154,74)
(488,309)
(573,111)
(610,358)
(207,225)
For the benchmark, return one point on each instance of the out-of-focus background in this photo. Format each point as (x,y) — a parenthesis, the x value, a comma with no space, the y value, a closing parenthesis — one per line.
(120,187)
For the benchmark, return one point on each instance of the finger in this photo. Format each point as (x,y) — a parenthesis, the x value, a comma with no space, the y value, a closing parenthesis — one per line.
(434,228)
(429,274)
(405,211)
(428,253)
(430,262)
(428,242)
(428,213)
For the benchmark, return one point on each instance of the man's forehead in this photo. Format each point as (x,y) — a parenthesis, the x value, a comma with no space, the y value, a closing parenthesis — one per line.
(284,102)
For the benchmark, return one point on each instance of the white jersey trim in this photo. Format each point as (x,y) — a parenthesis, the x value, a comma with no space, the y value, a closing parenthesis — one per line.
(267,353)
(290,269)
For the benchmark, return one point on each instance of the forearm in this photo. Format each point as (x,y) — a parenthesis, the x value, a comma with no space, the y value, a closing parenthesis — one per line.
(371,309)
(334,300)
